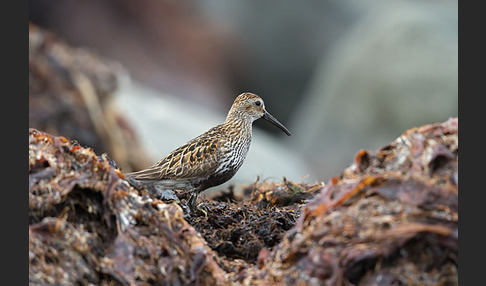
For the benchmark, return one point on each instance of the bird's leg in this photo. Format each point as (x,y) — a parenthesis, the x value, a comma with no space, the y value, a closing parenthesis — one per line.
(193,206)
(192,202)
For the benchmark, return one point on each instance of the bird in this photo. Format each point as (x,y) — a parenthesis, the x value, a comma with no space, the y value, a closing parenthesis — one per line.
(211,158)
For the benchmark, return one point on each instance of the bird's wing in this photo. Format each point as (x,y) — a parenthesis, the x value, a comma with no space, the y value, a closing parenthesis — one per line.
(197,158)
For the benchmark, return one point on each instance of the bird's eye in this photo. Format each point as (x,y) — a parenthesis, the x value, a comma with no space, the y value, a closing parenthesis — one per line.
(258,103)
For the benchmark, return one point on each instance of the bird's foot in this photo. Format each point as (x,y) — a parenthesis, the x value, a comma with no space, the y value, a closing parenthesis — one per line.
(196,211)
(134,183)
(201,210)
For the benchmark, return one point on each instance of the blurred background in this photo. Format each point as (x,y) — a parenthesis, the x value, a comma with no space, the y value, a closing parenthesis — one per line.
(341,75)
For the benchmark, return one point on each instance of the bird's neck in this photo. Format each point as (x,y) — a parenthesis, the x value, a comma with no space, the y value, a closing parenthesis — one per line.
(239,124)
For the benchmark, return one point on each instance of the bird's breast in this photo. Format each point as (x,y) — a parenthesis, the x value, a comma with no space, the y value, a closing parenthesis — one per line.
(234,153)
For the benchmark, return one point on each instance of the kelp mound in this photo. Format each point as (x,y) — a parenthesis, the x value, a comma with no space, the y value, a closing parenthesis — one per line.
(88,226)
(391,218)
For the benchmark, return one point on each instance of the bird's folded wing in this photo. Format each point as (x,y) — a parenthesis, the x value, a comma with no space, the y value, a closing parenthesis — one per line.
(197,158)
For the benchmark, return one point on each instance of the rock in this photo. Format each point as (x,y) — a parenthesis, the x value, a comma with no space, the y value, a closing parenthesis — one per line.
(396,68)
(71,93)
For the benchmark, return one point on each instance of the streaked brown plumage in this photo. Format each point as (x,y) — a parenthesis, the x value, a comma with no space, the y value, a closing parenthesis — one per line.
(213,157)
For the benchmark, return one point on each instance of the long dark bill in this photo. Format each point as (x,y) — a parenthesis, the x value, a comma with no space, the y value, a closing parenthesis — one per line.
(268,117)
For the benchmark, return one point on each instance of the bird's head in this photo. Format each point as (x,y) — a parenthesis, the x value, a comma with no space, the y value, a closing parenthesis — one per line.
(249,106)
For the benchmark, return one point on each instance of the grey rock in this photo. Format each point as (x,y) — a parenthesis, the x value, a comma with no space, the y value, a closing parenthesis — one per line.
(396,69)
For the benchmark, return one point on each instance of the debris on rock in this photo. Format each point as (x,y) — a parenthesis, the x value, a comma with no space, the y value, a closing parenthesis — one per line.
(391,218)
(89,226)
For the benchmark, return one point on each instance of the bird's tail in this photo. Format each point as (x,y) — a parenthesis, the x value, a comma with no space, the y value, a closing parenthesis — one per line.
(151,173)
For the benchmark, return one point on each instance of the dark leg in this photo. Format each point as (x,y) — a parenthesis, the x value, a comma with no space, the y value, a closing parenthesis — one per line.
(192,202)
(194,208)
